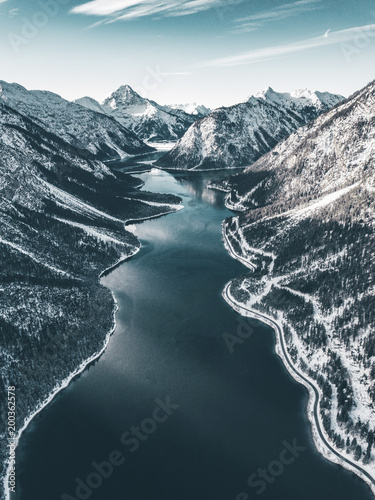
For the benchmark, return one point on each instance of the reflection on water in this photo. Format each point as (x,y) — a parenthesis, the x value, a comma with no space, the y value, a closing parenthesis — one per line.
(235,411)
(197,183)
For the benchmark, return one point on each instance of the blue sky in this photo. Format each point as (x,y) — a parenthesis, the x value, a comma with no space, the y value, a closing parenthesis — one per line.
(215,52)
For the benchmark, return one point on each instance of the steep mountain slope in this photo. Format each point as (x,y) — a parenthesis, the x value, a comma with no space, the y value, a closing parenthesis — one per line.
(80,127)
(61,223)
(307,225)
(149,120)
(241,134)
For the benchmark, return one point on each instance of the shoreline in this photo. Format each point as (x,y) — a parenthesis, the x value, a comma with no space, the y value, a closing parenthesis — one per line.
(321,441)
(199,170)
(63,385)
(81,368)
(66,382)
(131,222)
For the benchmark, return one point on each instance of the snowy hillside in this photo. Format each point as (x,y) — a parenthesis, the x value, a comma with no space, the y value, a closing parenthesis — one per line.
(85,129)
(62,219)
(241,134)
(308,226)
(147,119)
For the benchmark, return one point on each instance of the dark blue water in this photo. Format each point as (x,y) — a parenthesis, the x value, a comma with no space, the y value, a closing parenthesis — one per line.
(228,416)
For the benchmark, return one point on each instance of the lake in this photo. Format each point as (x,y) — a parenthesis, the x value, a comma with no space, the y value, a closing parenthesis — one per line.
(168,412)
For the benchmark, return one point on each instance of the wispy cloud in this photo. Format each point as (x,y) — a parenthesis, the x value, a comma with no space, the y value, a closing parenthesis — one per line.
(13,12)
(256,21)
(278,51)
(116,10)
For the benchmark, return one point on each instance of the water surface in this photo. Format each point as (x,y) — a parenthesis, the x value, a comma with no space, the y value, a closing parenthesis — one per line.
(235,411)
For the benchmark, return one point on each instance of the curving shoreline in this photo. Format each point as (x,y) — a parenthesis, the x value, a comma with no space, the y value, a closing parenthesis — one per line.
(320,439)
(65,383)
(321,442)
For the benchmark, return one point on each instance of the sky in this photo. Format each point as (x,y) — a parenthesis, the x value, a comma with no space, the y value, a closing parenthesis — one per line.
(213,52)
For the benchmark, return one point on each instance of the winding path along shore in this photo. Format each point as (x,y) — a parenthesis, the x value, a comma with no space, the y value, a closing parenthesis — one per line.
(320,439)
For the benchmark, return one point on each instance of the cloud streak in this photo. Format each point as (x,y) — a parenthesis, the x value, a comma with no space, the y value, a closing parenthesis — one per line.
(256,21)
(276,52)
(117,10)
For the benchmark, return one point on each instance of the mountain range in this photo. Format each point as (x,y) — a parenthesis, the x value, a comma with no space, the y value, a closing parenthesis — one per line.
(62,215)
(306,224)
(239,135)
(150,121)
(88,131)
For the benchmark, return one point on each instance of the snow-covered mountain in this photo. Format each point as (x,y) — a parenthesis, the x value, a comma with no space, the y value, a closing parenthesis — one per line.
(198,110)
(300,99)
(83,128)
(147,119)
(308,227)
(62,215)
(241,134)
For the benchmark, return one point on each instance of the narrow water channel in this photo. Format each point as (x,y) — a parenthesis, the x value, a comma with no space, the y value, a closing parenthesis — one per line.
(222,417)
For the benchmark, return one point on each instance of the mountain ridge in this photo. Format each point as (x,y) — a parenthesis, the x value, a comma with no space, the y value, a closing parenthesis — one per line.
(62,216)
(239,135)
(86,129)
(149,120)
(306,222)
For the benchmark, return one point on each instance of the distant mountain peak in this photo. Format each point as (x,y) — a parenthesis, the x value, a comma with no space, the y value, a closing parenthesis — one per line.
(192,108)
(126,91)
(298,98)
(266,91)
(146,118)
(124,96)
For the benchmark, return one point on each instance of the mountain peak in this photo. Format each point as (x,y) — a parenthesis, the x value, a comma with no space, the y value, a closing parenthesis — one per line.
(267,92)
(124,95)
(126,90)
(298,98)
(271,96)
